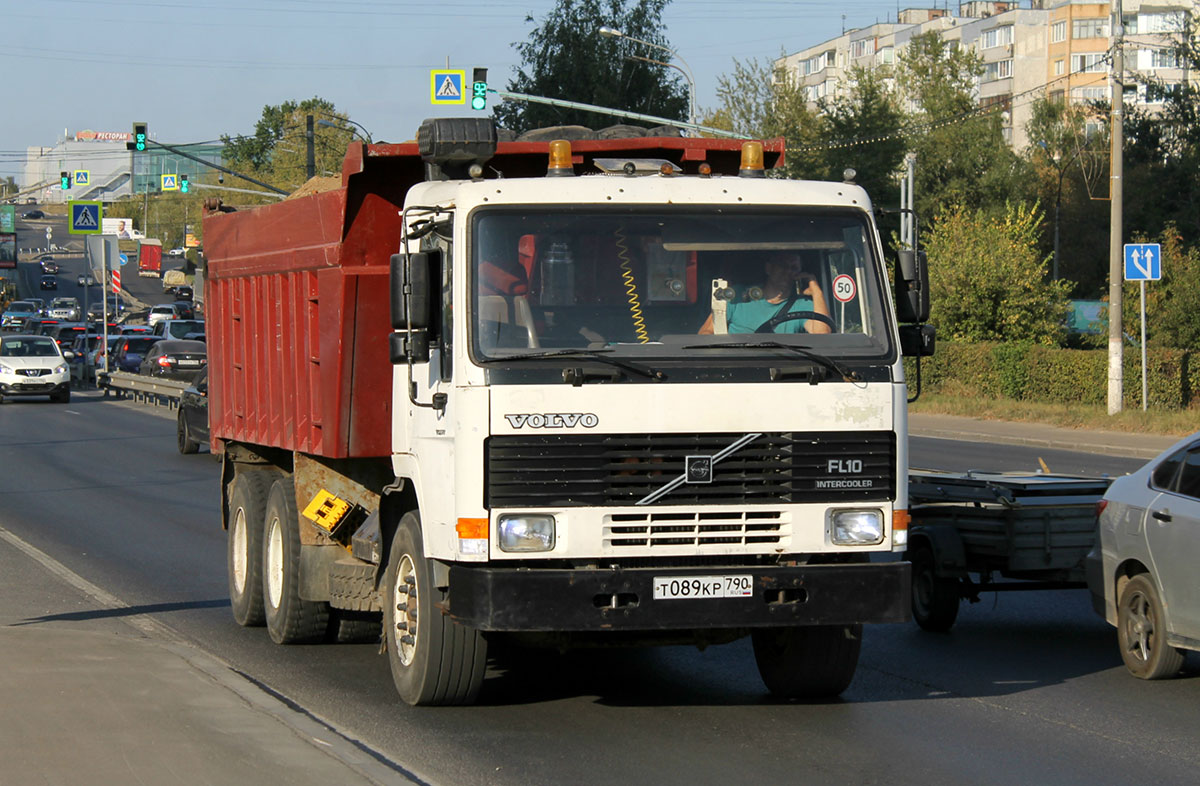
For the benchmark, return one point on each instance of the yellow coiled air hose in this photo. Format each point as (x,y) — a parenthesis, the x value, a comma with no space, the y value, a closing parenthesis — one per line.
(635,306)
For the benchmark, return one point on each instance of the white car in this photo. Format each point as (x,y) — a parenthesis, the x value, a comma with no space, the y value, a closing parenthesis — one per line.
(64,308)
(33,366)
(1142,570)
(159,313)
(177,252)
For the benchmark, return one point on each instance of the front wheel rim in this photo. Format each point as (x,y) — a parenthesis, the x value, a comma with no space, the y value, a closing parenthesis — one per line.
(275,563)
(1139,627)
(404,602)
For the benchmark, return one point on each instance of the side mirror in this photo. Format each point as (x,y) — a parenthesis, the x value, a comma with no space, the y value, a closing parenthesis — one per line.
(420,279)
(917,341)
(912,286)
(68,355)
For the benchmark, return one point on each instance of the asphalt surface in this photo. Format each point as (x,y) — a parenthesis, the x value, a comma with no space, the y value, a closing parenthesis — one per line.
(94,686)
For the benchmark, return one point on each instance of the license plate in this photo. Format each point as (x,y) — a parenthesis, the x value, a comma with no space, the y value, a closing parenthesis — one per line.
(189,362)
(703,587)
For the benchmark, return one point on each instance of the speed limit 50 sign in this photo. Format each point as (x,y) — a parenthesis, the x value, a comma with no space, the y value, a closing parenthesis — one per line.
(844,288)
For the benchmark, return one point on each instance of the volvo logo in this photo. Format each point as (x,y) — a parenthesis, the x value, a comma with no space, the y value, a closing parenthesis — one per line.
(699,469)
(553,420)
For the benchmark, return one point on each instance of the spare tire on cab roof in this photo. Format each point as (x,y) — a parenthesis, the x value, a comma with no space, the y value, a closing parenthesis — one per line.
(571,133)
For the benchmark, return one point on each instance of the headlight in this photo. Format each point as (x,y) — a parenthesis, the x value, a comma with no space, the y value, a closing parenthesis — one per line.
(525,532)
(857,527)
(6,370)
(60,369)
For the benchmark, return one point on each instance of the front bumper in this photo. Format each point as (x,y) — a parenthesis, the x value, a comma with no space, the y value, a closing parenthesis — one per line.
(518,599)
(34,386)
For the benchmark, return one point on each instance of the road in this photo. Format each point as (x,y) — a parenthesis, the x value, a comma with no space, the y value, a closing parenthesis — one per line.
(1028,687)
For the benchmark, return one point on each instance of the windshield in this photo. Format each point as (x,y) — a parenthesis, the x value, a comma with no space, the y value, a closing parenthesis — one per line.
(28,348)
(672,284)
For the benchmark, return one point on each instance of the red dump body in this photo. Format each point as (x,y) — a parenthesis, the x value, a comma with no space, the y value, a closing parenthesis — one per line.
(297,300)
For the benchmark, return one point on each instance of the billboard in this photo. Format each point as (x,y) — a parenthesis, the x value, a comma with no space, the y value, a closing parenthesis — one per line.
(8,218)
(8,250)
(121,227)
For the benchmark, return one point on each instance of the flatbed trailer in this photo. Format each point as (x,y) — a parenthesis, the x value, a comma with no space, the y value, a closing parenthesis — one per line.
(1033,530)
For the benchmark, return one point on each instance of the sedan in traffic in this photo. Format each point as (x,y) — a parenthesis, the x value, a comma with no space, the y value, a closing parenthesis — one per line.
(49,282)
(33,214)
(17,312)
(128,355)
(49,266)
(191,425)
(174,359)
(1142,572)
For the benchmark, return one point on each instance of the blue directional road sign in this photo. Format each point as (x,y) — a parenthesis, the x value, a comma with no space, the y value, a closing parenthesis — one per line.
(86,217)
(122,260)
(1143,262)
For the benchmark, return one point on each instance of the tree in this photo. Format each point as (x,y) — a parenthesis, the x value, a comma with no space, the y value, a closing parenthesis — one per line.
(1173,302)
(1069,166)
(276,151)
(988,279)
(761,102)
(870,114)
(962,157)
(567,58)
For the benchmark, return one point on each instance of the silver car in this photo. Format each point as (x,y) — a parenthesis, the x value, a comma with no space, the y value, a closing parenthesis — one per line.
(1142,572)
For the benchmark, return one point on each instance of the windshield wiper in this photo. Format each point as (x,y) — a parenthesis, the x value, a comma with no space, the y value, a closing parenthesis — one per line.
(821,360)
(588,354)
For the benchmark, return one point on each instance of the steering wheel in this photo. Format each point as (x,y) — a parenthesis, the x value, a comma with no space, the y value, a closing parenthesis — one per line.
(788,316)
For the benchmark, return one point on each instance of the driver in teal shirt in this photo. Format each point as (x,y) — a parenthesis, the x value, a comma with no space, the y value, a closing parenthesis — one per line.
(786,288)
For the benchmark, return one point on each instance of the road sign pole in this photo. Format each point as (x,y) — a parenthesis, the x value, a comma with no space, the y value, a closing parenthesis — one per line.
(1144,390)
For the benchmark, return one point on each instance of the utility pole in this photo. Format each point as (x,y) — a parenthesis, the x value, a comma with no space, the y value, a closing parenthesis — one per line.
(310,157)
(1116,253)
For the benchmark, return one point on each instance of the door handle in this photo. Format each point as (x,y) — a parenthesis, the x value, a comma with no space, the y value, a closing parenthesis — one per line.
(1161,515)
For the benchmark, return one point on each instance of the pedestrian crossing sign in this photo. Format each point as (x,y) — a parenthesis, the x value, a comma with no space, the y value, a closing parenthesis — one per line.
(82,177)
(86,217)
(447,87)
(170,182)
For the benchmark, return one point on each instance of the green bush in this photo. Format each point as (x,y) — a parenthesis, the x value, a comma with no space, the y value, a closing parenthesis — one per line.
(1033,372)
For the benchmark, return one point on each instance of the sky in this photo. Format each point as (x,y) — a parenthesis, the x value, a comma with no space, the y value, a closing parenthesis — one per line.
(196,69)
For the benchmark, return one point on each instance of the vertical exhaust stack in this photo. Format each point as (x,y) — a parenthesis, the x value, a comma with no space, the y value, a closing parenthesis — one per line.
(449,145)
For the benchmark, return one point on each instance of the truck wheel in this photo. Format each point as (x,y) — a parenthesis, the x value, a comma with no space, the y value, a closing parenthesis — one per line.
(187,445)
(290,618)
(247,510)
(809,662)
(935,599)
(1142,632)
(434,660)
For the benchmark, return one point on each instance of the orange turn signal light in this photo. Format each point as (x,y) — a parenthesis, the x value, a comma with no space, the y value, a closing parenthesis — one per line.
(901,519)
(472,529)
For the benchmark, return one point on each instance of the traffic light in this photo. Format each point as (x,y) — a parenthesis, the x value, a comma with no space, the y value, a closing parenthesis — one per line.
(65,179)
(183,184)
(479,89)
(141,137)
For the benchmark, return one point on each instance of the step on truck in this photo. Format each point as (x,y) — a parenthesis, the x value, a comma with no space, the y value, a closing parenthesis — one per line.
(607,391)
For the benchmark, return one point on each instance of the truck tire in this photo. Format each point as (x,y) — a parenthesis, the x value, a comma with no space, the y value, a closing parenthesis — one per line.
(1142,632)
(935,599)
(290,618)
(187,445)
(434,660)
(809,662)
(243,562)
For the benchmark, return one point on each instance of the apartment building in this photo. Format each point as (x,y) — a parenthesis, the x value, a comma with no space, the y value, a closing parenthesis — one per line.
(1054,48)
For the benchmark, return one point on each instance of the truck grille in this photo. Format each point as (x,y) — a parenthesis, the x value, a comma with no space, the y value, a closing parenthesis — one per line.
(736,528)
(577,470)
